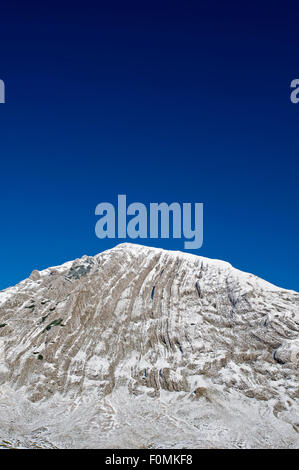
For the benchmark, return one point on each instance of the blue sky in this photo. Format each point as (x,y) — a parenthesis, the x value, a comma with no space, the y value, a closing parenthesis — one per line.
(161,101)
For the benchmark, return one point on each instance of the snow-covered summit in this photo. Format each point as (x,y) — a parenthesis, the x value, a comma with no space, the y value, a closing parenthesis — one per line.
(139,346)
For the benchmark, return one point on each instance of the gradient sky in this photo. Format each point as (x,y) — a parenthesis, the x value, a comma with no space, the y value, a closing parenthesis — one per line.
(162,101)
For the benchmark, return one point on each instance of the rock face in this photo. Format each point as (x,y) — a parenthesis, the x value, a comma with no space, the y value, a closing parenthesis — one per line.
(141,347)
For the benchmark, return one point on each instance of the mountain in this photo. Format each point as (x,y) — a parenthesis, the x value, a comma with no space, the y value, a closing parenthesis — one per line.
(141,347)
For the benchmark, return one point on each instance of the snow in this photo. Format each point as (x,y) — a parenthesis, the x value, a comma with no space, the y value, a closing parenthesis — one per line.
(214,367)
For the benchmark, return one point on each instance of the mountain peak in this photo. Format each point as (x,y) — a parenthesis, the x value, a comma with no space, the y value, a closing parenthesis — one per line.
(149,347)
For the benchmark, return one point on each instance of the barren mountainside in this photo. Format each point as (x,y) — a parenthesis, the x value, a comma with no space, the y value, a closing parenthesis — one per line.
(141,347)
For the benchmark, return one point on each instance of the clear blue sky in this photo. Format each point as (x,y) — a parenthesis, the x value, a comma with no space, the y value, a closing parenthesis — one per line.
(162,101)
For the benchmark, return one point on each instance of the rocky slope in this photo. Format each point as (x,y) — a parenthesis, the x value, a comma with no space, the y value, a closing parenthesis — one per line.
(141,347)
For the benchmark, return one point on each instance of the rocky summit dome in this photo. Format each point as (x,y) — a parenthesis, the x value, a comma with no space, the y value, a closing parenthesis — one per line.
(141,347)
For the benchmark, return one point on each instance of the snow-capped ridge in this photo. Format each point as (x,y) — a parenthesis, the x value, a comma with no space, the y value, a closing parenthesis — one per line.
(140,346)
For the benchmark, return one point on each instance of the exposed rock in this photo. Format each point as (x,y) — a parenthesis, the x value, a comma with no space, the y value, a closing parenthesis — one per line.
(130,349)
(35,275)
